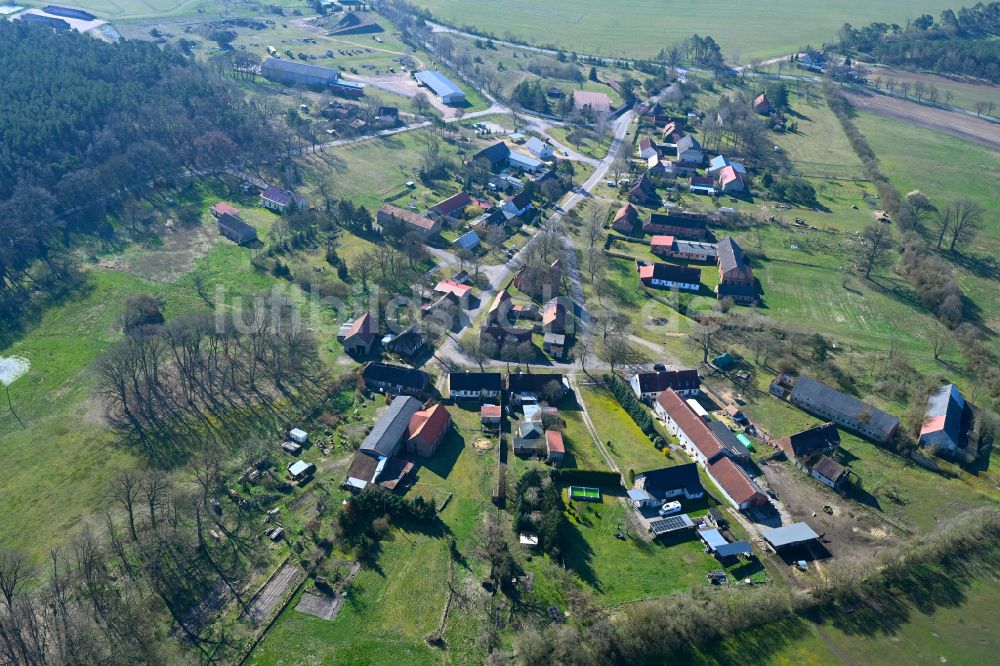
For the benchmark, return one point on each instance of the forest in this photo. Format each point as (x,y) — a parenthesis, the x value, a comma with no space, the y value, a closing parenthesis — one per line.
(957,43)
(83,122)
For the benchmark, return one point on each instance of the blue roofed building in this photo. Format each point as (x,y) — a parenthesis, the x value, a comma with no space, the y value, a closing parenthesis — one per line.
(441,86)
(942,427)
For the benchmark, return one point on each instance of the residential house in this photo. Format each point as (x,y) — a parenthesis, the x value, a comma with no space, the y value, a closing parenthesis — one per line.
(626,220)
(642,191)
(647,148)
(702,185)
(554,317)
(736,280)
(452,208)
(720,162)
(690,250)
(389,216)
(731,180)
(427,429)
(277,199)
(502,334)
(529,387)
(359,336)
(669,276)
(942,428)
(846,411)
(499,312)
(530,439)
(517,205)
(681,224)
(689,150)
(490,416)
(467,241)
(554,344)
(461,292)
(648,386)
(694,435)
(524,162)
(394,379)
(661,245)
(596,102)
(762,105)
(408,344)
(669,482)
(555,449)
(656,164)
(236,230)
(484,386)
(807,445)
(539,148)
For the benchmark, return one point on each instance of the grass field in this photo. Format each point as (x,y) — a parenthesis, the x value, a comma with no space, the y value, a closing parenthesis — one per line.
(629,446)
(643,27)
(965,94)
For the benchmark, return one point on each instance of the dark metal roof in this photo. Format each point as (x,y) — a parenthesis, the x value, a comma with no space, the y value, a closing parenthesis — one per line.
(300,68)
(732,261)
(394,374)
(788,535)
(475,381)
(683,380)
(389,430)
(728,439)
(496,154)
(237,225)
(669,479)
(849,407)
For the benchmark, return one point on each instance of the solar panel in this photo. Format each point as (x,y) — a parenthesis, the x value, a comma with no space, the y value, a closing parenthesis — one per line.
(671,524)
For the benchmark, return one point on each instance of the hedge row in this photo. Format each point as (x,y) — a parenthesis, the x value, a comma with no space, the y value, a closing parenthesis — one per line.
(622,392)
(587,477)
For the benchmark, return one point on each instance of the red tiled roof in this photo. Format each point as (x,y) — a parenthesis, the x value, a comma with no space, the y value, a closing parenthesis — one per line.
(933,424)
(407,216)
(696,429)
(551,311)
(222,208)
(363,328)
(453,203)
(733,480)
(661,241)
(428,424)
(727,175)
(451,287)
(626,212)
(597,101)
(554,440)
(490,412)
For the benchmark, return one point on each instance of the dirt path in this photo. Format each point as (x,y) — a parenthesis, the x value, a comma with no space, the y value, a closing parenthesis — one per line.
(958,125)
(273,592)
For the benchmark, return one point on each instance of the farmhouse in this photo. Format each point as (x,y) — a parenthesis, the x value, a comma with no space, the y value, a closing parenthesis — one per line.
(641,191)
(426,430)
(694,435)
(649,385)
(461,292)
(661,245)
(448,92)
(829,472)
(236,230)
(846,411)
(736,280)
(669,276)
(554,317)
(554,344)
(669,482)
(539,148)
(389,215)
(684,224)
(474,386)
(527,387)
(809,443)
(530,439)
(555,449)
(735,485)
(720,162)
(689,150)
(359,335)
(731,181)
(597,102)
(407,344)
(496,155)
(942,426)
(277,199)
(386,437)
(393,379)
(647,148)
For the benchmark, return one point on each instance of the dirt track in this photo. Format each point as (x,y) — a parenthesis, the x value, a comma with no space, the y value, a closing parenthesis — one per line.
(947,122)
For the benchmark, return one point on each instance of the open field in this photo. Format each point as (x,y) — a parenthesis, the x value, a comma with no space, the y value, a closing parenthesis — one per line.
(629,446)
(956,124)
(643,27)
(965,92)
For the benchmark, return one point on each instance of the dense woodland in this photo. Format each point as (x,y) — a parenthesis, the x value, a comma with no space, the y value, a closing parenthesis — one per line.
(957,43)
(83,121)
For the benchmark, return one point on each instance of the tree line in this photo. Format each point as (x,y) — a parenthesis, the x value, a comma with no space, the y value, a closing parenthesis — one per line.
(957,43)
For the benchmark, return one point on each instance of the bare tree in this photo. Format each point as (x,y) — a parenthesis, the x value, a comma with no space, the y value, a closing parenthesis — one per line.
(363,267)
(873,247)
(593,224)
(595,263)
(15,571)
(421,103)
(126,490)
(941,340)
(702,338)
(965,220)
(617,351)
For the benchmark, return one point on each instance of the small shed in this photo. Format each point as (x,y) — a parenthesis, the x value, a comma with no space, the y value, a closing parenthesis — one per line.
(292,447)
(528,541)
(300,469)
(789,535)
(299,436)
(641,499)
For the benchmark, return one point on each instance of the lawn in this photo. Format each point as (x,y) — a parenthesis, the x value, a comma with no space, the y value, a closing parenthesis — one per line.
(646,26)
(629,446)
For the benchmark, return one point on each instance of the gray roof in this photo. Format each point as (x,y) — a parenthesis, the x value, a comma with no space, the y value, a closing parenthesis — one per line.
(726,437)
(788,535)
(734,548)
(695,247)
(670,479)
(849,407)
(731,258)
(389,430)
(687,142)
(301,68)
